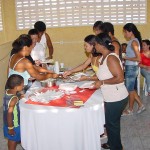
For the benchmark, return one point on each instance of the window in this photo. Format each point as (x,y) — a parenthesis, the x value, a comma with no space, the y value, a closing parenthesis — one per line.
(60,13)
(1,24)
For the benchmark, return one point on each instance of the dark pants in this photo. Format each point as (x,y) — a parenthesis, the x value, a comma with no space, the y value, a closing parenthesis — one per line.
(113,111)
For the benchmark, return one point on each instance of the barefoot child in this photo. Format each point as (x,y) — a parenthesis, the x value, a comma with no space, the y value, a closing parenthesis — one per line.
(11,113)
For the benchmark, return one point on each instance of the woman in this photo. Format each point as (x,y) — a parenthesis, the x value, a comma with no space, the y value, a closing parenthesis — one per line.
(96,27)
(19,64)
(145,63)
(111,81)
(44,38)
(108,28)
(132,60)
(92,59)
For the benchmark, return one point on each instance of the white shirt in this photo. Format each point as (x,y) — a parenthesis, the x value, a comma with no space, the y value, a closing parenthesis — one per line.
(111,92)
(38,52)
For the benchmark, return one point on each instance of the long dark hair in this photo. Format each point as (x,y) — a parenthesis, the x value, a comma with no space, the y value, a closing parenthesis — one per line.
(130,27)
(20,42)
(105,40)
(90,39)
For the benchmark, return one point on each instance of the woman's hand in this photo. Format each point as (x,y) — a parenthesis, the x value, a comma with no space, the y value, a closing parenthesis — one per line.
(67,73)
(96,85)
(55,75)
(83,78)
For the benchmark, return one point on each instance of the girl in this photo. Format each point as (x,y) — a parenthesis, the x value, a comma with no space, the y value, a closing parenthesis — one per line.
(145,63)
(11,113)
(92,59)
(132,60)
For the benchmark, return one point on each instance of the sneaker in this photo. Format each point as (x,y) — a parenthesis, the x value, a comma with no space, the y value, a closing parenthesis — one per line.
(127,112)
(140,109)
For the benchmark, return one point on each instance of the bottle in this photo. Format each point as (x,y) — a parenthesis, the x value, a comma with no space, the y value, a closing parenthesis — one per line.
(56,67)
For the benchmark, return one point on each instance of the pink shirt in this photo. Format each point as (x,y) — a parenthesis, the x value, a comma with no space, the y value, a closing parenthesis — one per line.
(111,92)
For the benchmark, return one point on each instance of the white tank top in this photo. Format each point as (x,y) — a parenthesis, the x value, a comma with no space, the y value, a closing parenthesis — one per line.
(111,92)
(43,41)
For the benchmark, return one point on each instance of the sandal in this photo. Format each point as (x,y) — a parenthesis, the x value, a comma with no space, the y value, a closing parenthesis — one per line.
(127,112)
(105,146)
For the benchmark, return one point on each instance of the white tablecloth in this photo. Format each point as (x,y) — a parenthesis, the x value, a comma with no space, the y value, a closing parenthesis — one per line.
(57,128)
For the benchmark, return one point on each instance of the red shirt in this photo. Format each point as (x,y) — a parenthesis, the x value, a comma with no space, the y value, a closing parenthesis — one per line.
(145,60)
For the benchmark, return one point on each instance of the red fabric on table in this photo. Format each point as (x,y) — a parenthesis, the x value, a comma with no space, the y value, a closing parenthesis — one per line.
(61,102)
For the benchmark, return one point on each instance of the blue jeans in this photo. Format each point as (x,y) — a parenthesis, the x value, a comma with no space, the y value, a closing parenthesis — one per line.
(131,73)
(146,74)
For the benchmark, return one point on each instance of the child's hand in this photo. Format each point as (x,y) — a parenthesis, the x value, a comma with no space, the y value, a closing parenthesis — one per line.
(11,132)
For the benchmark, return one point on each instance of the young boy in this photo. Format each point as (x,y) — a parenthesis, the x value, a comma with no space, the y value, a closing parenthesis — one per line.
(11,113)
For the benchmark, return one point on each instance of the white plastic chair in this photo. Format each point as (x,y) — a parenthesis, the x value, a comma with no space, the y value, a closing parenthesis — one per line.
(138,81)
(145,88)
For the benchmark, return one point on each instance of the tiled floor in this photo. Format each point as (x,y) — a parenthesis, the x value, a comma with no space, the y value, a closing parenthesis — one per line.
(135,130)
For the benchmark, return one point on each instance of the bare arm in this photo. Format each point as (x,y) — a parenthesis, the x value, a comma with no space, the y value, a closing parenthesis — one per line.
(88,78)
(78,68)
(35,74)
(137,57)
(50,46)
(42,70)
(144,66)
(10,115)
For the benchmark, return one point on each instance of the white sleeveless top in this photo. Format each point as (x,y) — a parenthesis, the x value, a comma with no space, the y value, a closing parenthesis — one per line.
(38,52)
(24,74)
(43,42)
(111,92)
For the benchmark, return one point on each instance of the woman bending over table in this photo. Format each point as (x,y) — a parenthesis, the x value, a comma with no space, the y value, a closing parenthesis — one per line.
(92,59)
(111,81)
(19,64)
(145,63)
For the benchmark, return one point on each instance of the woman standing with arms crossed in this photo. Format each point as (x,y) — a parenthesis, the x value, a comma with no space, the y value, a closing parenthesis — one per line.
(111,81)
(145,63)
(132,60)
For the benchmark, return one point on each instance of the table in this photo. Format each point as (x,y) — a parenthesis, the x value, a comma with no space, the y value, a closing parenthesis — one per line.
(62,128)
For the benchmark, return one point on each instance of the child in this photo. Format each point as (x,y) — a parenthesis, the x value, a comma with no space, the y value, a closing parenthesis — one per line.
(11,113)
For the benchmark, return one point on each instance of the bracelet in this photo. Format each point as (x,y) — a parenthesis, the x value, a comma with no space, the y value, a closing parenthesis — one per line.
(10,128)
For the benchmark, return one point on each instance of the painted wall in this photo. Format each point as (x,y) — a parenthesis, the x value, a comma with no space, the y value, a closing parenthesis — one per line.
(67,42)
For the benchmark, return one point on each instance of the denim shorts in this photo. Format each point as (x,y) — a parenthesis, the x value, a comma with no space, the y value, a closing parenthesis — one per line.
(16,137)
(131,73)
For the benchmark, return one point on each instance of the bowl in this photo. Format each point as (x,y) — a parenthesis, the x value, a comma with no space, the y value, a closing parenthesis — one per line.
(48,83)
(43,83)
(51,82)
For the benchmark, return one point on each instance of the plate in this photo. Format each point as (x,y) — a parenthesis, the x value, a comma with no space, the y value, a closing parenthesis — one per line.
(86,85)
(77,76)
(67,87)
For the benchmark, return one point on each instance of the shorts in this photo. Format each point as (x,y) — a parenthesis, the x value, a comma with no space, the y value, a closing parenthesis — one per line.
(131,73)
(16,137)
